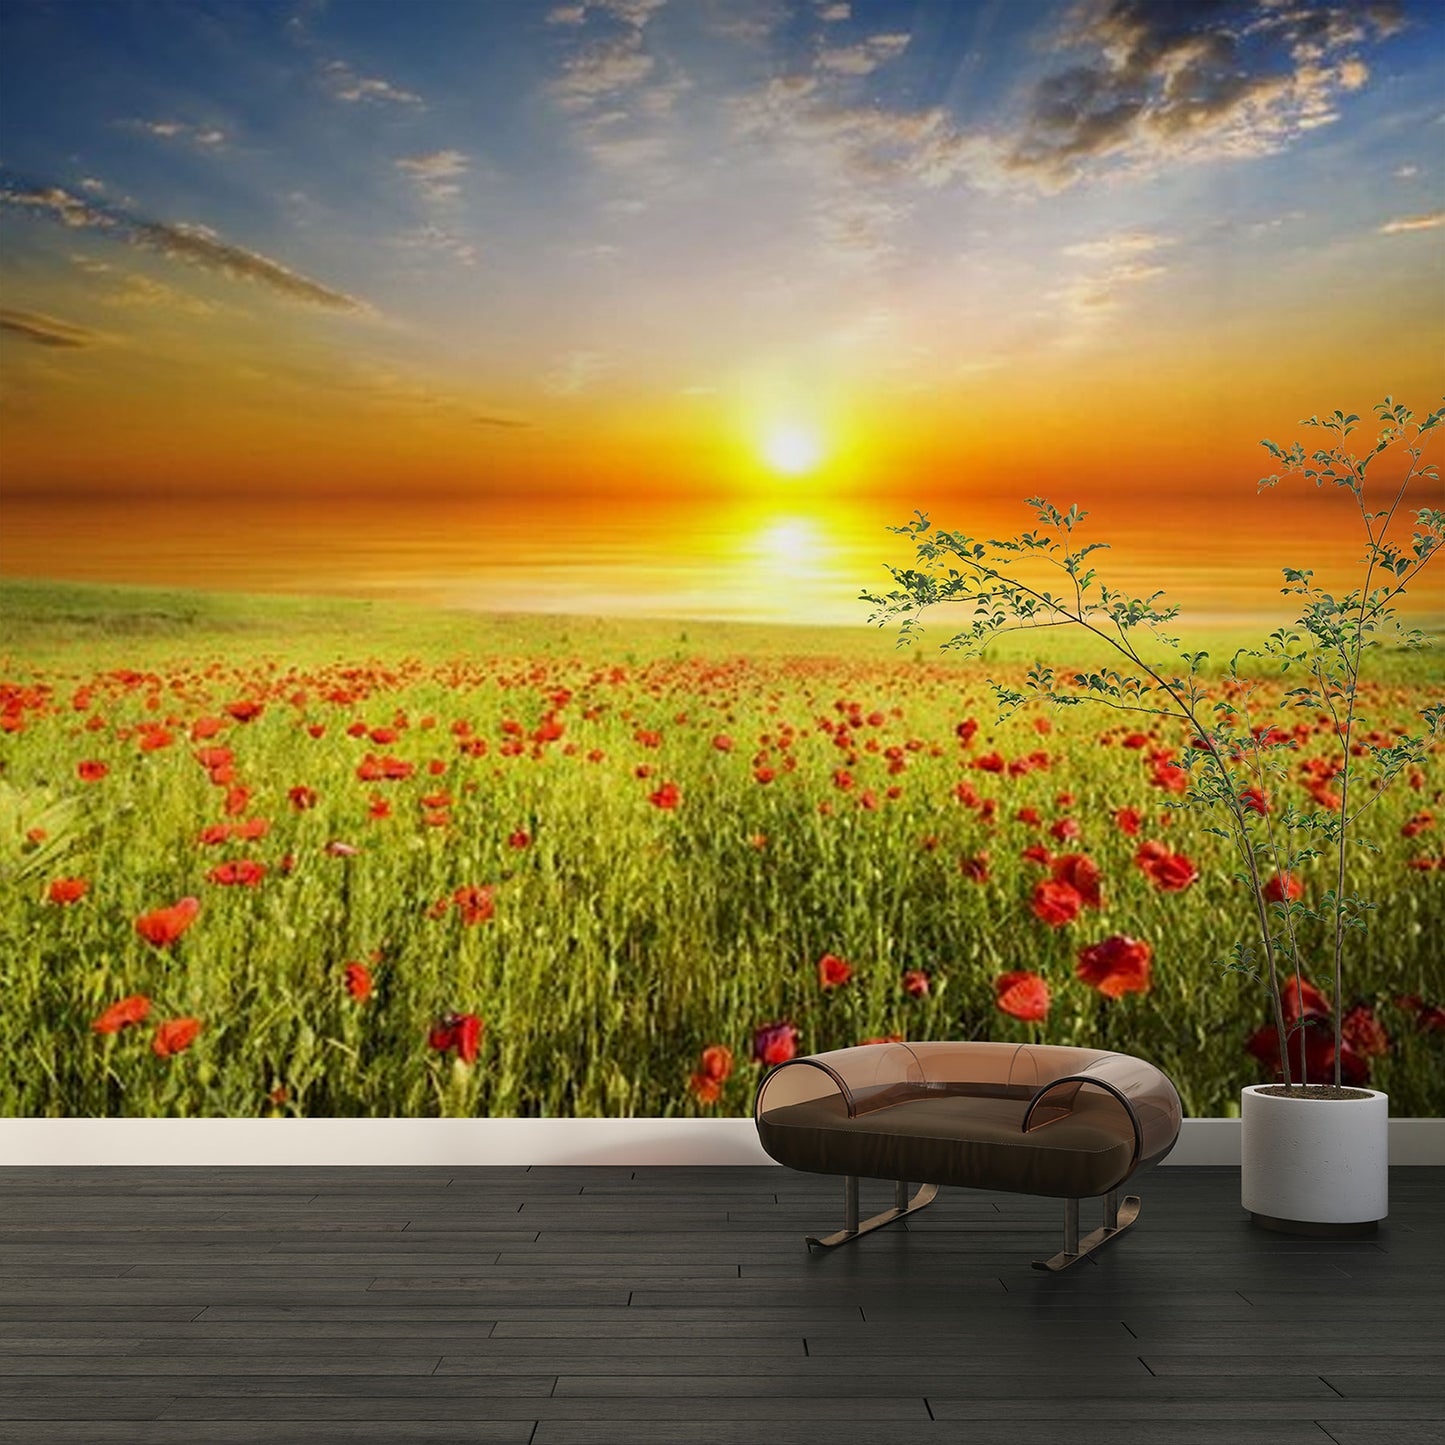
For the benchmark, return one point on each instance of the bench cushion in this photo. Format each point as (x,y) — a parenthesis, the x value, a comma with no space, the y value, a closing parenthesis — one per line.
(964,1140)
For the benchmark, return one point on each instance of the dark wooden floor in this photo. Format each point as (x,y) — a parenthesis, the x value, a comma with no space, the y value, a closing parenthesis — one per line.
(557,1306)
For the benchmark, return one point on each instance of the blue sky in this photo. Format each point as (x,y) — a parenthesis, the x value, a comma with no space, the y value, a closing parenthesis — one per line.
(522,249)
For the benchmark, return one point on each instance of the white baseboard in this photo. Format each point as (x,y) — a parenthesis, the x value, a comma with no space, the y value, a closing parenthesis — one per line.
(455,1143)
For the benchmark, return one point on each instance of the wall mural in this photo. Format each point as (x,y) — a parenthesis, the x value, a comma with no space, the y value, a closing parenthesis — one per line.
(444,446)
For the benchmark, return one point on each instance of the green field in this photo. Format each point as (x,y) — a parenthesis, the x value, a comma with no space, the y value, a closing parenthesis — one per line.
(643,890)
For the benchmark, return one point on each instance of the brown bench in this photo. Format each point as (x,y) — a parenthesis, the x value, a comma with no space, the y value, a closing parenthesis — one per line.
(1040,1119)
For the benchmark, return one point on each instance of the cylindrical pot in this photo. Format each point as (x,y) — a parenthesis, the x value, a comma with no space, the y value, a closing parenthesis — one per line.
(1315,1166)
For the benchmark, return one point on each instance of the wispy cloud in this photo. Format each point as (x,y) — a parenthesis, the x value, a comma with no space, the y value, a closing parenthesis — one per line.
(1120,244)
(45,330)
(602,70)
(135,290)
(1161,82)
(575,372)
(864,58)
(437,173)
(179,241)
(440,241)
(204,137)
(349,85)
(1430,222)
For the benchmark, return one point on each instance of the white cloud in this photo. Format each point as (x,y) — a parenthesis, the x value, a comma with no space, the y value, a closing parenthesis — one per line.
(1121,243)
(346,84)
(603,70)
(206,137)
(575,372)
(865,58)
(436,173)
(1402,224)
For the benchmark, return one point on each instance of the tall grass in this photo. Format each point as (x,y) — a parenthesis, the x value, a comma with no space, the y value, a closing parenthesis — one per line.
(627,935)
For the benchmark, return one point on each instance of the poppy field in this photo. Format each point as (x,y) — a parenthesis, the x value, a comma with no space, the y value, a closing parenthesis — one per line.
(412,865)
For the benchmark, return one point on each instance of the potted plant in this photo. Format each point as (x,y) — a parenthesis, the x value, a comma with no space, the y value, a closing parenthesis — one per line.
(1314,1144)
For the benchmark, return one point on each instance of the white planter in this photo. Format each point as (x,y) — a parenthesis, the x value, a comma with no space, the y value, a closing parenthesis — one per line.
(1315,1166)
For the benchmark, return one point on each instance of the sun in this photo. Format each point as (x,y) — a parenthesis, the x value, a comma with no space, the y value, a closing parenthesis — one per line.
(793,450)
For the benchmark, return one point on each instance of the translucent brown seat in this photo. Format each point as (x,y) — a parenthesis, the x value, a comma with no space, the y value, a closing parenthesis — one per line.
(1025,1118)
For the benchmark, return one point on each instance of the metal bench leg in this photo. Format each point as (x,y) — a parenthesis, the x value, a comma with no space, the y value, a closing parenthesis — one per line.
(1118,1216)
(902,1206)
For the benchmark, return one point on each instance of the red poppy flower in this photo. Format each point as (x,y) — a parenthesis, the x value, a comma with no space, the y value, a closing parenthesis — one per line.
(1361,1031)
(775,1043)
(1129,820)
(1066,830)
(251,829)
(238,799)
(238,873)
(1416,825)
(1169,872)
(1252,800)
(244,711)
(163,926)
(916,983)
(965,731)
(1022,995)
(1057,903)
(1311,1054)
(1172,777)
(462,1032)
(1136,741)
(303,799)
(67,890)
(975,869)
(991,763)
(476,904)
(1117,966)
(358,981)
(763,775)
(1081,873)
(704,1089)
(667,797)
(132,1010)
(723,743)
(1275,890)
(717,1062)
(1302,1000)
(91,771)
(174,1035)
(833,972)
(1037,853)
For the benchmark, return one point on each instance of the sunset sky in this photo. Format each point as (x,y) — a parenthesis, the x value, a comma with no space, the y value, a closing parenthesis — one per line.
(670,306)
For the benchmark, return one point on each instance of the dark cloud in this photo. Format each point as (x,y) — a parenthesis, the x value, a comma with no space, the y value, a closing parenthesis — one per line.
(195,245)
(45,330)
(1166,80)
